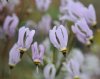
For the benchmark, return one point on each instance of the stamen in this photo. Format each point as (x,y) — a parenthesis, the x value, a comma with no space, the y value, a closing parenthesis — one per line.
(64,50)
(76,77)
(21,53)
(91,39)
(37,61)
(11,66)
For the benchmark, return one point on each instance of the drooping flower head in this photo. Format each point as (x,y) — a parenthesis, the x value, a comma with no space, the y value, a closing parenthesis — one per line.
(45,24)
(10,25)
(82,31)
(25,39)
(10,4)
(37,53)
(74,10)
(14,56)
(59,38)
(73,69)
(49,71)
(43,5)
(90,15)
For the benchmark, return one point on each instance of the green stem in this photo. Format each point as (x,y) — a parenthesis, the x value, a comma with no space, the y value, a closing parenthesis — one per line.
(5,59)
(59,68)
(54,56)
(70,45)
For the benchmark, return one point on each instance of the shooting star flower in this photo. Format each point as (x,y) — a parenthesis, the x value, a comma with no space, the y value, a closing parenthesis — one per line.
(59,38)
(82,31)
(10,25)
(37,53)
(25,39)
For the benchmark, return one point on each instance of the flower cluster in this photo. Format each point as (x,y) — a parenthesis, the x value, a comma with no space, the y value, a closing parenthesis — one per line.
(82,31)
(58,37)
(74,10)
(25,39)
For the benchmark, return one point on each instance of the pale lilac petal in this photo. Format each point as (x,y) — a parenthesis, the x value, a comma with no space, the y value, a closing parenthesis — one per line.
(60,37)
(42,5)
(13,25)
(73,68)
(29,39)
(21,34)
(14,55)
(53,39)
(84,27)
(92,12)
(81,38)
(47,73)
(76,8)
(69,16)
(35,51)
(80,35)
(6,24)
(65,35)
(78,31)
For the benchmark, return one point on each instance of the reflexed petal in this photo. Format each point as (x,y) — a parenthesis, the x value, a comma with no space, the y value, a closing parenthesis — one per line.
(14,55)
(29,39)
(84,27)
(78,31)
(6,24)
(73,68)
(91,14)
(47,73)
(53,39)
(35,51)
(21,34)
(60,37)
(65,34)
(13,25)
(81,38)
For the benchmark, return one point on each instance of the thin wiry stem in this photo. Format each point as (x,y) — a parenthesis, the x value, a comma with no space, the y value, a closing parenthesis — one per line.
(71,43)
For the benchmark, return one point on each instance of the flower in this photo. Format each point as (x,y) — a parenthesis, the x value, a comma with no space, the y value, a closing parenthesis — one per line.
(90,16)
(37,53)
(10,25)
(73,69)
(82,31)
(74,10)
(10,4)
(77,54)
(42,5)
(25,39)
(45,24)
(14,56)
(91,64)
(49,71)
(59,38)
